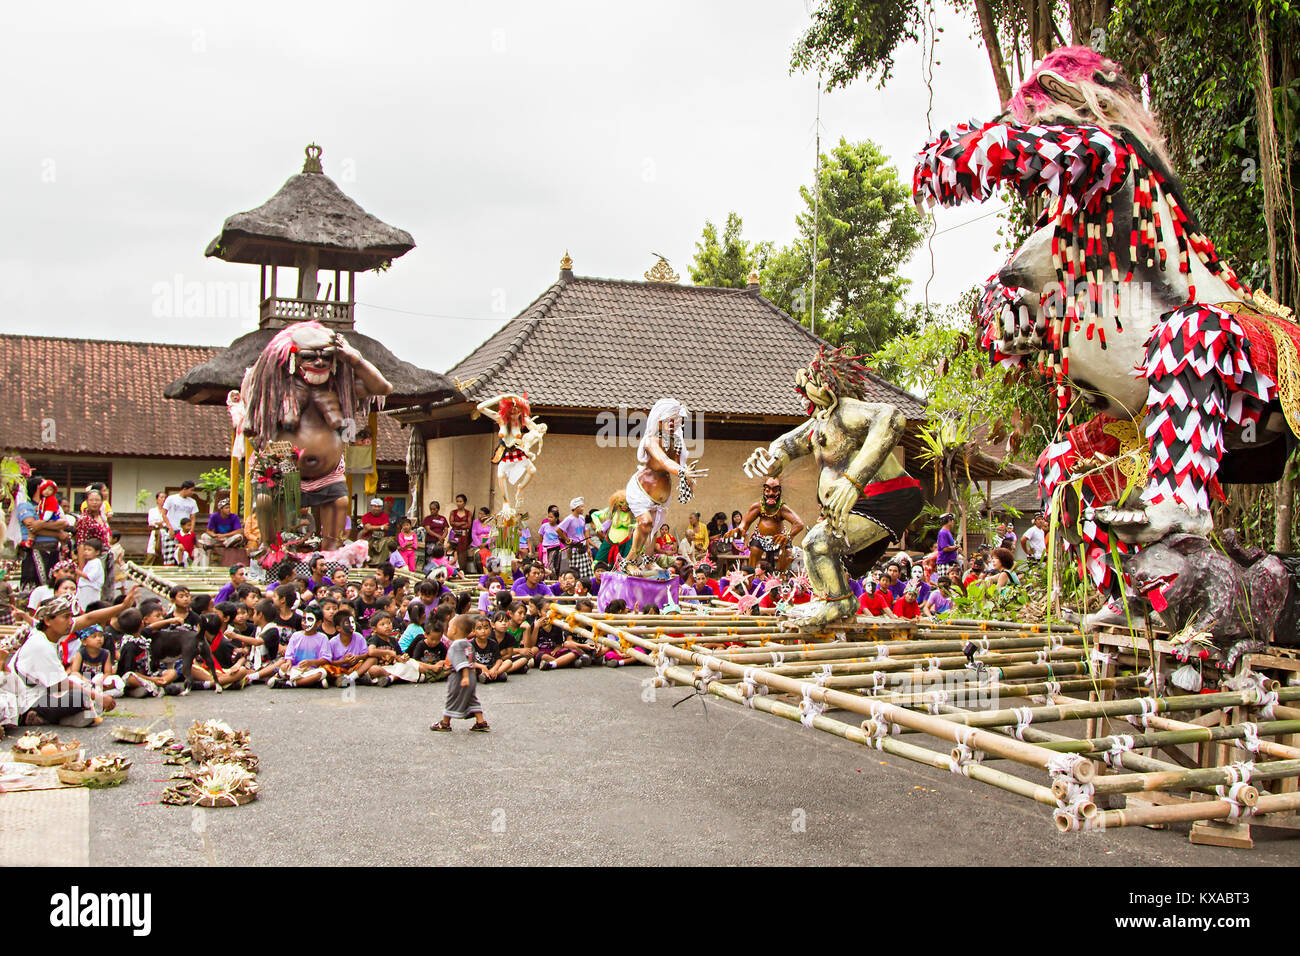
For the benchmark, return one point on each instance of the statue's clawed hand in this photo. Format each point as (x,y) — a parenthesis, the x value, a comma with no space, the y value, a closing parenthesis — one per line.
(763,464)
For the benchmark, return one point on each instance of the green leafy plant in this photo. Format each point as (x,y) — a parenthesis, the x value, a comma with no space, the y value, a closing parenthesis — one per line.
(213,483)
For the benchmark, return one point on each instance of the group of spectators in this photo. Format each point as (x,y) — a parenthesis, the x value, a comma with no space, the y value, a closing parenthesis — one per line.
(928,587)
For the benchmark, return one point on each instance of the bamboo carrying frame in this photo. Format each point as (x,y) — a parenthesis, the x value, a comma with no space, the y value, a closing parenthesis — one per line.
(997,698)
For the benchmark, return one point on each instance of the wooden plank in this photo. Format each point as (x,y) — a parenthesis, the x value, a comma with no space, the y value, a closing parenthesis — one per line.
(1259,662)
(1180,758)
(1157,798)
(1209,719)
(1235,836)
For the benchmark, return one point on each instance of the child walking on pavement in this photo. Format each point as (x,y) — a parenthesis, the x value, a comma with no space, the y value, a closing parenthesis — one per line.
(462,685)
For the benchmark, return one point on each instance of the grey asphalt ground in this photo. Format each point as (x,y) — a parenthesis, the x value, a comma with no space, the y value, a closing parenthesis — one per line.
(578,769)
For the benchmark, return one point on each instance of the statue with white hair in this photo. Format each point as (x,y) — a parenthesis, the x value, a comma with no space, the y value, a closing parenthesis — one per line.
(662,456)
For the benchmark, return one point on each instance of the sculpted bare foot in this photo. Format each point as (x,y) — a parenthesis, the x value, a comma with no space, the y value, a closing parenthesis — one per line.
(816,615)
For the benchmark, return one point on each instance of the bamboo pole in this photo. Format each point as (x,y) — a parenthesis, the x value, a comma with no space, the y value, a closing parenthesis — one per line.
(1143,816)
(950,731)
(989,775)
(1079,710)
(1162,738)
(842,665)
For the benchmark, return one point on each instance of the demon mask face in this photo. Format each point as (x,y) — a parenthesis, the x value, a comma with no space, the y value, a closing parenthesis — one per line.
(312,356)
(831,375)
(772,492)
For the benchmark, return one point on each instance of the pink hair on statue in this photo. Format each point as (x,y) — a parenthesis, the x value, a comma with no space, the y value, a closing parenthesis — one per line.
(1111,101)
(1078,64)
(281,345)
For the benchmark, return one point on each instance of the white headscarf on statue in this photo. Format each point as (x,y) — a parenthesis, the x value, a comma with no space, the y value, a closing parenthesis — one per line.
(664,409)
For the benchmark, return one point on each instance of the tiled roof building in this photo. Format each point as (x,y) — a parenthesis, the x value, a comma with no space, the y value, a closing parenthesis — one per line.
(598,343)
(587,347)
(97,397)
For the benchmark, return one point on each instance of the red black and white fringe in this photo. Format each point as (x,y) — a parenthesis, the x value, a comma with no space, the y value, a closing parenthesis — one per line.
(1200,372)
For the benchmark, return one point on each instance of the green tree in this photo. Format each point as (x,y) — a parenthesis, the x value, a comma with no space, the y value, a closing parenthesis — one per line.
(866,228)
(968,403)
(727,263)
(857,39)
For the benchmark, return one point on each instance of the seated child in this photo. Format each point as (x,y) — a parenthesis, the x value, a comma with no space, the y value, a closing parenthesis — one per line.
(264,657)
(384,654)
(96,663)
(874,601)
(139,678)
(430,652)
(348,650)
(185,543)
(11,612)
(513,658)
(486,651)
(414,628)
(548,643)
(231,670)
(906,606)
(305,656)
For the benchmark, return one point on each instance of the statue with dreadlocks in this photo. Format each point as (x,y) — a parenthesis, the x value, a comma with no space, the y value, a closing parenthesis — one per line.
(867,499)
(304,394)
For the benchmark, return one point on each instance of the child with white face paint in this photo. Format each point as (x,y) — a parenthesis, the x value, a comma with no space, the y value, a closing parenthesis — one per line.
(305,656)
(917,583)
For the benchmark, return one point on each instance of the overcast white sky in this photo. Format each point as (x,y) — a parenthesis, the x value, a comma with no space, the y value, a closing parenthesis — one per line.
(498,134)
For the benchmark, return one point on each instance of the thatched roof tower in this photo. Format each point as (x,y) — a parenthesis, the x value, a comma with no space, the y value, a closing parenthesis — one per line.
(310,215)
(312,226)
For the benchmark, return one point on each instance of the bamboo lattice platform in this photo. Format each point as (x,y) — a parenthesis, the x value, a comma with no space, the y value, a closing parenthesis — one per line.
(1041,711)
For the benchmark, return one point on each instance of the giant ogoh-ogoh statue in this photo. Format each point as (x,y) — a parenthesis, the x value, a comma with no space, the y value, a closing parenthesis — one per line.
(301,401)
(1119,298)
(867,497)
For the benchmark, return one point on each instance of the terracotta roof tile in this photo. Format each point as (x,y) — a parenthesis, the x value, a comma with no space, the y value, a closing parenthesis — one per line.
(99,397)
(598,343)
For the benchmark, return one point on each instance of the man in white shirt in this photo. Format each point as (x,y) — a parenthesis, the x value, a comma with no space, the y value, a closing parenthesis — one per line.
(1034,541)
(176,507)
(44,686)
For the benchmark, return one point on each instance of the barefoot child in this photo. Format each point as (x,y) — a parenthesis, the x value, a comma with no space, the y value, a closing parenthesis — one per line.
(96,663)
(487,652)
(265,655)
(347,650)
(383,653)
(462,697)
(549,650)
(133,664)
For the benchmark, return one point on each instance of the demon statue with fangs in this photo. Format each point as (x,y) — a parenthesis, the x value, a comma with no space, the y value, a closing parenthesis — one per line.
(300,401)
(867,499)
(1121,301)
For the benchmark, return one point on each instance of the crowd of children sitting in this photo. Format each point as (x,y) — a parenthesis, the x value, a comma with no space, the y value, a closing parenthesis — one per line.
(319,629)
